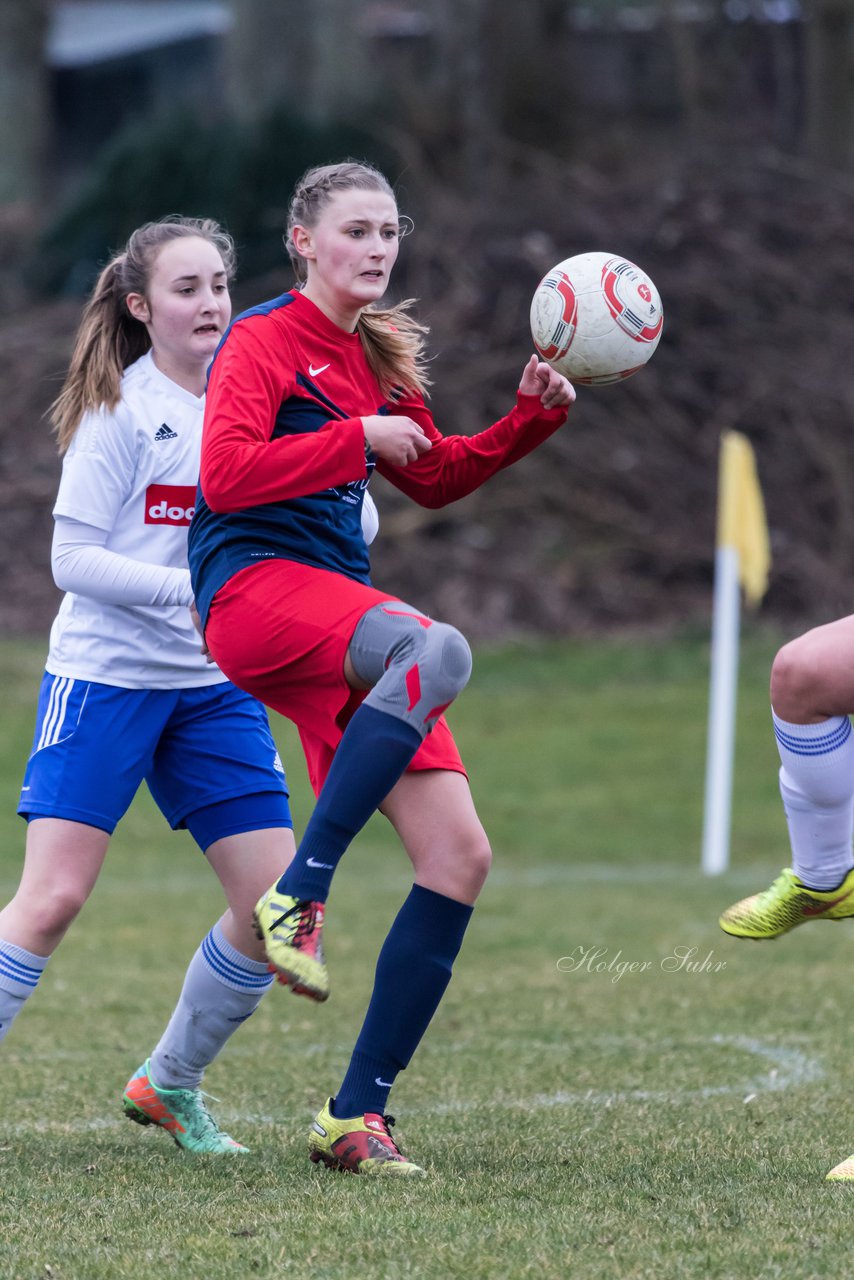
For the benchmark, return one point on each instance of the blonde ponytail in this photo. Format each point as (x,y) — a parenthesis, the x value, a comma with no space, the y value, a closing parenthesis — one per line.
(394,346)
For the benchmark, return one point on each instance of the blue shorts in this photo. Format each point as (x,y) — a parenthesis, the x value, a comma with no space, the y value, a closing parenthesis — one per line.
(203,752)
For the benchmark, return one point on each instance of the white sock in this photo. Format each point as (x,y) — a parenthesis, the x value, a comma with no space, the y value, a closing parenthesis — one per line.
(20,971)
(221,990)
(817,786)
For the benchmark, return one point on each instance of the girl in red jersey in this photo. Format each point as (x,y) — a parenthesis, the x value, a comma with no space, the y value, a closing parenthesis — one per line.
(307,395)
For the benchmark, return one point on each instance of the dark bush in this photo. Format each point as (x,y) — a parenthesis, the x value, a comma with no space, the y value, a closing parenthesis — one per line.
(242,176)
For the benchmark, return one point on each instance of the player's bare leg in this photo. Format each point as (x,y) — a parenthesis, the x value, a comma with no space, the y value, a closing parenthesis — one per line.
(812,695)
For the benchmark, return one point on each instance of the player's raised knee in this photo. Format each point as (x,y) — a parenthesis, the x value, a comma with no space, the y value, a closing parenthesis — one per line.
(454,660)
(798,681)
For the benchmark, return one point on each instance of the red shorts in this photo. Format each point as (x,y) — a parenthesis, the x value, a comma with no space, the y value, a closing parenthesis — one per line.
(281,630)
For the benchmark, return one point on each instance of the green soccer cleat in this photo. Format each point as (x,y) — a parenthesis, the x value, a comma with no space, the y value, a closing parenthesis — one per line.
(291,932)
(786,904)
(181,1112)
(360,1144)
(842,1172)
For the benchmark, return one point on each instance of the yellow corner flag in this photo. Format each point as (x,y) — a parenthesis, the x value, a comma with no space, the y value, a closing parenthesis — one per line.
(741,556)
(741,514)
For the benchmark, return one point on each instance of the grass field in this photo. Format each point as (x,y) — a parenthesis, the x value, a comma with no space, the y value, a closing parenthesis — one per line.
(612,1088)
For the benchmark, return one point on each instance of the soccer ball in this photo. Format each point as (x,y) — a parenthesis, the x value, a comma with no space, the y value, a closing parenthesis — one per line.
(596,318)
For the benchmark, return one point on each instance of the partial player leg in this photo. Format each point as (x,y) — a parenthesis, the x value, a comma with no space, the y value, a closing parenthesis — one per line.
(435,817)
(812,694)
(414,667)
(61,865)
(223,986)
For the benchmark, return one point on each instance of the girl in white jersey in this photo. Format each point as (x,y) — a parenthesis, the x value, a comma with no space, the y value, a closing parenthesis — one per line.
(127,694)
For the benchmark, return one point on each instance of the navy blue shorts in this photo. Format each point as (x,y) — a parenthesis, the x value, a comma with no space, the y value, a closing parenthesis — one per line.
(201,751)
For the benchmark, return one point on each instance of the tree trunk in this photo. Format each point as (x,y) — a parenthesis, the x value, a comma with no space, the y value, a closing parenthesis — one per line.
(338,87)
(830,82)
(23,102)
(308,56)
(265,51)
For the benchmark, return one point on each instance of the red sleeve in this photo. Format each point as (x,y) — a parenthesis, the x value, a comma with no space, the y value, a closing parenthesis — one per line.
(457,465)
(241,465)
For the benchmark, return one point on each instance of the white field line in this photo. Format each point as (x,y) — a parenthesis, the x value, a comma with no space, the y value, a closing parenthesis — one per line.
(788,1068)
(785,1068)
(611,873)
(396,880)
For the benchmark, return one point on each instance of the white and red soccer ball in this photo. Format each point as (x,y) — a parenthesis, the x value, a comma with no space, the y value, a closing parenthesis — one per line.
(596,318)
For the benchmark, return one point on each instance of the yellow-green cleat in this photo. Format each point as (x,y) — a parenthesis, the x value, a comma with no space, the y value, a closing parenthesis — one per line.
(291,931)
(842,1172)
(359,1144)
(786,904)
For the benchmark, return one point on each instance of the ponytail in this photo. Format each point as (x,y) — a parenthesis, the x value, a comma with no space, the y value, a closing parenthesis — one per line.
(108,340)
(393,343)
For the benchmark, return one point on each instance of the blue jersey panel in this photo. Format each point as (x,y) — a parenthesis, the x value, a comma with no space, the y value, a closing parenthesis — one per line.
(322,529)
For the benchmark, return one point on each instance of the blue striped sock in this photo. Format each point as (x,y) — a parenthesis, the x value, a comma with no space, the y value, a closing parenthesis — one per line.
(20,971)
(222,988)
(817,786)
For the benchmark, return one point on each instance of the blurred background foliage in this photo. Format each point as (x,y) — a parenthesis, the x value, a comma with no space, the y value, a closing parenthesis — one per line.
(712,141)
(238,174)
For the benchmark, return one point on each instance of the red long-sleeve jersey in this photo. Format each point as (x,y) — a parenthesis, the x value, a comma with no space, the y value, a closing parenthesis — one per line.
(283,466)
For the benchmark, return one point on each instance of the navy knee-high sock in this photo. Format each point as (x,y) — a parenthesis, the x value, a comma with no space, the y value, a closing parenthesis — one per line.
(413,971)
(373,753)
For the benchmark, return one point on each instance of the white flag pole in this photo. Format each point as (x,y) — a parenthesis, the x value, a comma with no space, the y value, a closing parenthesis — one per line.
(722,701)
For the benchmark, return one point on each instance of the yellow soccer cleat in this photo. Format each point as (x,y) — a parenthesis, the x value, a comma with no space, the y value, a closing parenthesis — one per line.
(358,1144)
(842,1172)
(291,932)
(786,904)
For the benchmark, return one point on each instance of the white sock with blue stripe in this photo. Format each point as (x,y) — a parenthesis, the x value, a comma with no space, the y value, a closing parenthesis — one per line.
(20,971)
(221,990)
(817,786)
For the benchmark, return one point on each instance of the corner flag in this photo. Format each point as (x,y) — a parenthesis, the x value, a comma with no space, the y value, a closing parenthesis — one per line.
(741,514)
(742,556)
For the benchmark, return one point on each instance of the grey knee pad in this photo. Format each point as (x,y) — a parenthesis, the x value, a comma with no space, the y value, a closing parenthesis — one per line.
(415,665)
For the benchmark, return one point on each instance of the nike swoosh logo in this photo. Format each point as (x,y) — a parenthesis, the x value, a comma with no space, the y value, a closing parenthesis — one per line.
(384,1084)
(314,372)
(324,866)
(820,907)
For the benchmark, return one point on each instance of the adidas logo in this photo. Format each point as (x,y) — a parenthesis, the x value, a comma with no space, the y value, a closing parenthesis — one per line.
(165,433)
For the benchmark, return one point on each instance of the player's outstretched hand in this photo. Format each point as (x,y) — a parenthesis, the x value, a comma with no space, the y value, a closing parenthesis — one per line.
(540,379)
(395,438)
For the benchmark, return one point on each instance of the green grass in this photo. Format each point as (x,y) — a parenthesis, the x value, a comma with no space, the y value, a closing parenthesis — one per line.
(578,1119)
